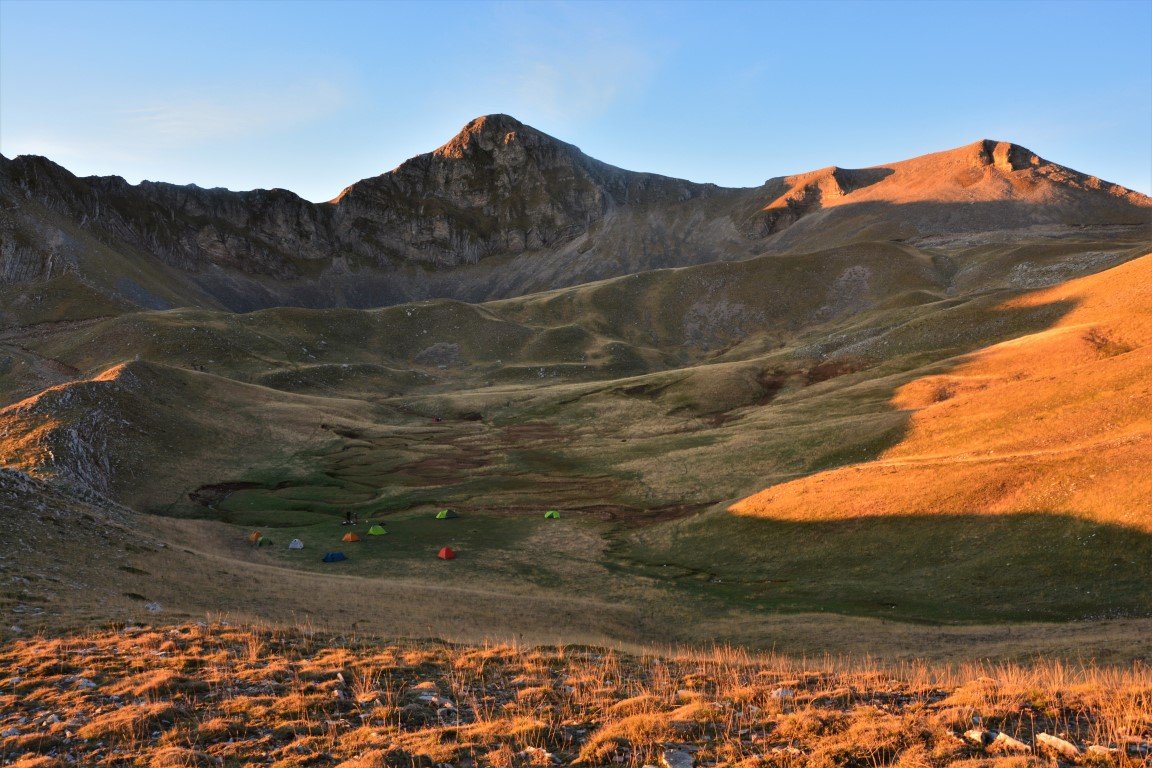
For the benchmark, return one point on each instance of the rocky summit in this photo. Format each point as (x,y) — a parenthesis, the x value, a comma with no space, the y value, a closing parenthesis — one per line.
(502,210)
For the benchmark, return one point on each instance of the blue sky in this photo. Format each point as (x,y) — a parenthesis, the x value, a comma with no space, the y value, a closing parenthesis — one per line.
(314,96)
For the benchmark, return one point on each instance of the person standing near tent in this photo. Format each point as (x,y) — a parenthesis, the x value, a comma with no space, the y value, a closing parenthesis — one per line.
(349,517)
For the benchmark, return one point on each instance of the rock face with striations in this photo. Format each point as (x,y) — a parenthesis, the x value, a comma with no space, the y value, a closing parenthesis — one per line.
(499,187)
(500,210)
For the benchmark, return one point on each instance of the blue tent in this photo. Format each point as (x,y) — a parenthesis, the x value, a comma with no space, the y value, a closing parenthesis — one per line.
(334,557)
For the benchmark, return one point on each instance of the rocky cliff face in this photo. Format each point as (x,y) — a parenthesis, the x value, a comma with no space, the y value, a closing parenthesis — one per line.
(502,209)
(499,187)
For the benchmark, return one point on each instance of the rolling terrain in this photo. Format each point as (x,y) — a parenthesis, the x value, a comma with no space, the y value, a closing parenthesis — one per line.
(884,410)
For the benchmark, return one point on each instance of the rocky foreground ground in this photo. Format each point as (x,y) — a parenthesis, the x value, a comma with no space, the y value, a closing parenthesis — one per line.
(220,695)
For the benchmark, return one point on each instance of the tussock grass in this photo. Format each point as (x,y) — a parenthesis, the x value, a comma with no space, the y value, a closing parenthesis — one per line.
(235,695)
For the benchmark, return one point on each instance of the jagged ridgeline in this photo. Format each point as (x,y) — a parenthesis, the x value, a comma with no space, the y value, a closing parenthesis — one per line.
(900,391)
(500,210)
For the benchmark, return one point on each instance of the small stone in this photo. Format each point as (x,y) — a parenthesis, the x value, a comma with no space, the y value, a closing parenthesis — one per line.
(676,758)
(1058,745)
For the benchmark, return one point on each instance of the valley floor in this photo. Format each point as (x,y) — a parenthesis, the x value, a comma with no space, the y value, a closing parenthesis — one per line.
(157,570)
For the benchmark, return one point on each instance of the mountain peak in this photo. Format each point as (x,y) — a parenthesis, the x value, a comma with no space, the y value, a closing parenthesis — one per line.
(492,132)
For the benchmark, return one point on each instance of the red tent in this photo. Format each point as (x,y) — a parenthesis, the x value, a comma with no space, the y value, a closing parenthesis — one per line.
(447,554)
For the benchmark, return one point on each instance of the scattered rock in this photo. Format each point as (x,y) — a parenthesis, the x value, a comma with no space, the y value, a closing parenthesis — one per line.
(1058,745)
(676,758)
(1008,744)
(538,756)
(1138,747)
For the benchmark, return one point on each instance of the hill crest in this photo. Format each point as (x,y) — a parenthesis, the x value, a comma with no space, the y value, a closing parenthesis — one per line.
(500,210)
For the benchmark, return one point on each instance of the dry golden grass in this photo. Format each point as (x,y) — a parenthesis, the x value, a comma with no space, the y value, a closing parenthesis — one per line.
(202,695)
(1058,421)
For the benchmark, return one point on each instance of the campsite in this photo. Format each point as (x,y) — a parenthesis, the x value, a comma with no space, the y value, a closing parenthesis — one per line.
(603,384)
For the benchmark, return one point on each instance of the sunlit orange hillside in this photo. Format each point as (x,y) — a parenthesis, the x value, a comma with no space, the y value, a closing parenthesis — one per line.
(1055,422)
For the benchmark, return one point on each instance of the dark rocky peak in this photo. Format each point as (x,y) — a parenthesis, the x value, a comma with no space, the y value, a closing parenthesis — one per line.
(502,133)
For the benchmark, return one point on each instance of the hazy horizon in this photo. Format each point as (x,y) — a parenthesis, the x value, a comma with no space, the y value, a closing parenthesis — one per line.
(312,97)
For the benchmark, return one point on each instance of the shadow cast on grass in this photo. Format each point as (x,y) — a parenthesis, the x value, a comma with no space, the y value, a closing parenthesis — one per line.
(953,568)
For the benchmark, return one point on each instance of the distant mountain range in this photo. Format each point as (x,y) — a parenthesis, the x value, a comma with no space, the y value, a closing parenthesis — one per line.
(503,210)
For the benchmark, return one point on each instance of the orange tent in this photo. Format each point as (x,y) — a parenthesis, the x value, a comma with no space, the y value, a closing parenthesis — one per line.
(447,554)
(351,537)
(254,538)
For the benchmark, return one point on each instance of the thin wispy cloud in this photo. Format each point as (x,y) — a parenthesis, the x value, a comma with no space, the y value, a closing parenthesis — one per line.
(195,118)
(150,127)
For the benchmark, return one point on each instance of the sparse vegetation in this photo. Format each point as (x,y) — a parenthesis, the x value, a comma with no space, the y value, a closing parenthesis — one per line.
(213,695)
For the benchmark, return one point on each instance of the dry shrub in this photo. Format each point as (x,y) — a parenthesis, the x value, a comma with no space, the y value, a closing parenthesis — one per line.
(1001,762)
(376,758)
(645,702)
(150,683)
(538,695)
(809,724)
(129,722)
(31,761)
(518,731)
(636,731)
(872,738)
(916,756)
(501,757)
(178,757)
(695,712)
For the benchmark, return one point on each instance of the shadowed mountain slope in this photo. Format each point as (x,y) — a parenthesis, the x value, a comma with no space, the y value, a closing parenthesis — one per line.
(503,210)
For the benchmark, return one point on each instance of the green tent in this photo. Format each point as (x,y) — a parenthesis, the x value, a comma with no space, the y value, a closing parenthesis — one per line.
(447,514)
(264,541)
(551,515)
(377,530)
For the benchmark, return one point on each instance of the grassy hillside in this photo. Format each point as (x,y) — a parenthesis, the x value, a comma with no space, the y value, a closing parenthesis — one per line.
(197,694)
(1053,422)
(921,433)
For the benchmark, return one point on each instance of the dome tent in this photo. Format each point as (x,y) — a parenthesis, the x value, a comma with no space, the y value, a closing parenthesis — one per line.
(447,514)
(447,553)
(334,557)
(296,544)
(377,530)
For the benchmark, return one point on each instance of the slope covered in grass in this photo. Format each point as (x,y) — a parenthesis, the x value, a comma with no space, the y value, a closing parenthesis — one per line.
(1055,422)
(199,694)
